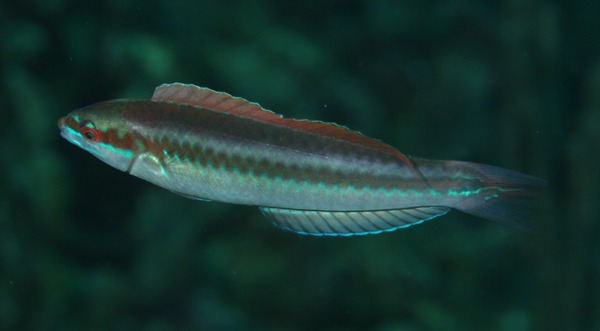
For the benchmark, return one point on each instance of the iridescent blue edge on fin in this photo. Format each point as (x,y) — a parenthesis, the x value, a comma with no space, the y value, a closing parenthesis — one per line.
(349,223)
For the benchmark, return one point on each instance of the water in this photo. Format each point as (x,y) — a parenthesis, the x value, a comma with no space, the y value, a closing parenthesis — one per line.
(85,247)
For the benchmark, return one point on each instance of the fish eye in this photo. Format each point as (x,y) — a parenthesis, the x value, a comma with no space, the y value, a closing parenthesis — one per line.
(88,131)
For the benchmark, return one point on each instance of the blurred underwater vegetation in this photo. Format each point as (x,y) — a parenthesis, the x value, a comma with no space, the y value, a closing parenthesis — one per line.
(510,83)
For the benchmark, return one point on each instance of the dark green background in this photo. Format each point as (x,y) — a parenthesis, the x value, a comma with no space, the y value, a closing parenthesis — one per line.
(510,83)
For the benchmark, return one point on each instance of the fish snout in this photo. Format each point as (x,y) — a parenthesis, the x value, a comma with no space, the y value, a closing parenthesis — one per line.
(62,125)
(61,122)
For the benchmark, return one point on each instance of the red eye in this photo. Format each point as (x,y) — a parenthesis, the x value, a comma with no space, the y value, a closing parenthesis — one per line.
(90,134)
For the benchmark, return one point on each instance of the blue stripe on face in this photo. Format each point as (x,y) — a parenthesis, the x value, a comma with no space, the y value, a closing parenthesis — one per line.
(124,153)
(98,149)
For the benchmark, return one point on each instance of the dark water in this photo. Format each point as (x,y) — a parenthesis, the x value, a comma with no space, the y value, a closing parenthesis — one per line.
(510,83)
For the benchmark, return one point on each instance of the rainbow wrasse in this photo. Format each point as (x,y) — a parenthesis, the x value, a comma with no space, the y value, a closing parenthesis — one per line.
(308,177)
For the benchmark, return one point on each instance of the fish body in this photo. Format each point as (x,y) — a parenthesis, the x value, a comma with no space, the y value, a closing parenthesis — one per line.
(308,177)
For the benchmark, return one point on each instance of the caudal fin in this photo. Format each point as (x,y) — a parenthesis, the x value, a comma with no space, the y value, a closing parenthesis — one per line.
(509,196)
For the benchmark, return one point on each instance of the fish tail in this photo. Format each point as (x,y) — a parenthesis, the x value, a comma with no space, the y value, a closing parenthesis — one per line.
(507,196)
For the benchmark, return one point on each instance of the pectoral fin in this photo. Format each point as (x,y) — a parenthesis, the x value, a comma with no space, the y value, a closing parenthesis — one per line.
(349,223)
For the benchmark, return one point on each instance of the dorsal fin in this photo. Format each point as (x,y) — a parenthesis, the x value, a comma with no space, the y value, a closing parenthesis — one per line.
(220,101)
(213,100)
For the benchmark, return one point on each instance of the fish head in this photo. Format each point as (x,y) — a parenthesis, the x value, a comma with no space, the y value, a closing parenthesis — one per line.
(101,129)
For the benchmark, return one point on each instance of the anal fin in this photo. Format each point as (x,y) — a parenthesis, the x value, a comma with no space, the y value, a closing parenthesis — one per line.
(349,223)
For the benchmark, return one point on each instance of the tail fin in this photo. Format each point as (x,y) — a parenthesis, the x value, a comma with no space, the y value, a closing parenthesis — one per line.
(509,197)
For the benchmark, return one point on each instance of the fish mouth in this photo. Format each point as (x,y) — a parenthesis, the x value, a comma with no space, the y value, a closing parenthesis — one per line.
(67,132)
(61,125)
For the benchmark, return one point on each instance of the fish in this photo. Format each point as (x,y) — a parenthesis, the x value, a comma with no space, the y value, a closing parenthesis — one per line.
(307,177)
